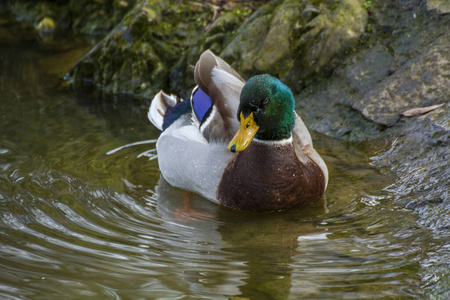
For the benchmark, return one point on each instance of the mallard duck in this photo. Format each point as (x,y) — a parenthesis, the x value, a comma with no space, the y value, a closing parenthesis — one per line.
(239,144)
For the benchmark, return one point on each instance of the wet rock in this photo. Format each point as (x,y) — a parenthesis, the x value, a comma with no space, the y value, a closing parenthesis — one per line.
(384,16)
(370,67)
(295,39)
(329,34)
(310,12)
(216,36)
(328,104)
(441,6)
(97,17)
(275,52)
(153,48)
(244,48)
(158,42)
(419,155)
(325,108)
(423,142)
(422,81)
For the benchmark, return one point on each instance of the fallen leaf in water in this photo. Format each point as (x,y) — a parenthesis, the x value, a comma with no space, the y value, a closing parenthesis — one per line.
(420,110)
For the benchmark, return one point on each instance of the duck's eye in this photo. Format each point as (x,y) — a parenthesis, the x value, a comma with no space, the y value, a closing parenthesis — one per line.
(265,101)
(247,125)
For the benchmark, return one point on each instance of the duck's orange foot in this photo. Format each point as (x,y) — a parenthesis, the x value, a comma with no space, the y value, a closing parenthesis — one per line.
(187,213)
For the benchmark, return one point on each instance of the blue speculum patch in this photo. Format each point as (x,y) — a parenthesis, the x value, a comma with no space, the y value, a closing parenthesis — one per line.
(175,112)
(201,104)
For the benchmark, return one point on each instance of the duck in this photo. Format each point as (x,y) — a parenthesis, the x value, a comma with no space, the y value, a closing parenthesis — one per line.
(237,143)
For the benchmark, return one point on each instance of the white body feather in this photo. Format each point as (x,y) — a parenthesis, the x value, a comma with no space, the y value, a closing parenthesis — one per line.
(190,162)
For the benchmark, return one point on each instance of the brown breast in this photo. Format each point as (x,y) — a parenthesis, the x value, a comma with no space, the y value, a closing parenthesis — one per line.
(270,178)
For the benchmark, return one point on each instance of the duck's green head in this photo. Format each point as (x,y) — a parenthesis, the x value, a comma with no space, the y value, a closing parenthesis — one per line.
(266,111)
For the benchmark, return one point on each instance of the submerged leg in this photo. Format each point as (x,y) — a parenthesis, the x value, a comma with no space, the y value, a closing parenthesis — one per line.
(187,213)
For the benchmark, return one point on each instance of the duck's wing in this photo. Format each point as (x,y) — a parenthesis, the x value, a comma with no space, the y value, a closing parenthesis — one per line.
(304,146)
(215,100)
(300,134)
(166,109)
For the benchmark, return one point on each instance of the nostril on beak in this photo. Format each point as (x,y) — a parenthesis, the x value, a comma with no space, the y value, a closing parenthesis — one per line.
(233,148)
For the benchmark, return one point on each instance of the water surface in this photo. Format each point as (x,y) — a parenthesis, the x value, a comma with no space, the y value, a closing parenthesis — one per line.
(79,220)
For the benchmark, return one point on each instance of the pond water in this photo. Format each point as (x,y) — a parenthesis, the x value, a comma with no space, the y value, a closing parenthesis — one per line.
(80,220)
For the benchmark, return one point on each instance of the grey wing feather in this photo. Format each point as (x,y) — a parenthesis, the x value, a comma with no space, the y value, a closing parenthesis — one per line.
(304,147)
(223,85)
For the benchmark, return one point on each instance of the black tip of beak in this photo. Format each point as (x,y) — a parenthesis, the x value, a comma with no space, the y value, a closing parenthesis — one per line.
(233,148)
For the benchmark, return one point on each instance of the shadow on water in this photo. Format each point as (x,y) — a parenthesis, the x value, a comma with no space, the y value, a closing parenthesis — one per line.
(76,221)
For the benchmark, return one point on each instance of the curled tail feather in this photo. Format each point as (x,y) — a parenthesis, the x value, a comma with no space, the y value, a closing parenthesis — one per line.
(159,106)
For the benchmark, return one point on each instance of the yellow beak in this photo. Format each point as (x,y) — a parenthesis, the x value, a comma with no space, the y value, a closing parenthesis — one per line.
(244,135)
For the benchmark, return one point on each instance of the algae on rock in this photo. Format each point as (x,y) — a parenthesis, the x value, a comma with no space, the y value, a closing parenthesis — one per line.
(153,48)
(162,40)
(297,40)
(325,38)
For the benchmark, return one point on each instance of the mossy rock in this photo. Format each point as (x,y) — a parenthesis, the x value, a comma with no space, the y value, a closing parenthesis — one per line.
(163,40)
(322,42)
(155,47)
(244,48)
(296,39)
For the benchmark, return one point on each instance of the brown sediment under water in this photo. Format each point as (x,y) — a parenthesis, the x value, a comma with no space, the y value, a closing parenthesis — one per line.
(83,218)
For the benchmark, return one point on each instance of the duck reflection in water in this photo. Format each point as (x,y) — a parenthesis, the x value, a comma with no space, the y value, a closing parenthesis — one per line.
(254,249)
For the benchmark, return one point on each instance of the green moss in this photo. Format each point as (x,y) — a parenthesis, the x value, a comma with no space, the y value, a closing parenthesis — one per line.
(165,38)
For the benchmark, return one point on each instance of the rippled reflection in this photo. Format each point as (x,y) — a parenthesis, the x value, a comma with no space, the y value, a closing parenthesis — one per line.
(82,216)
